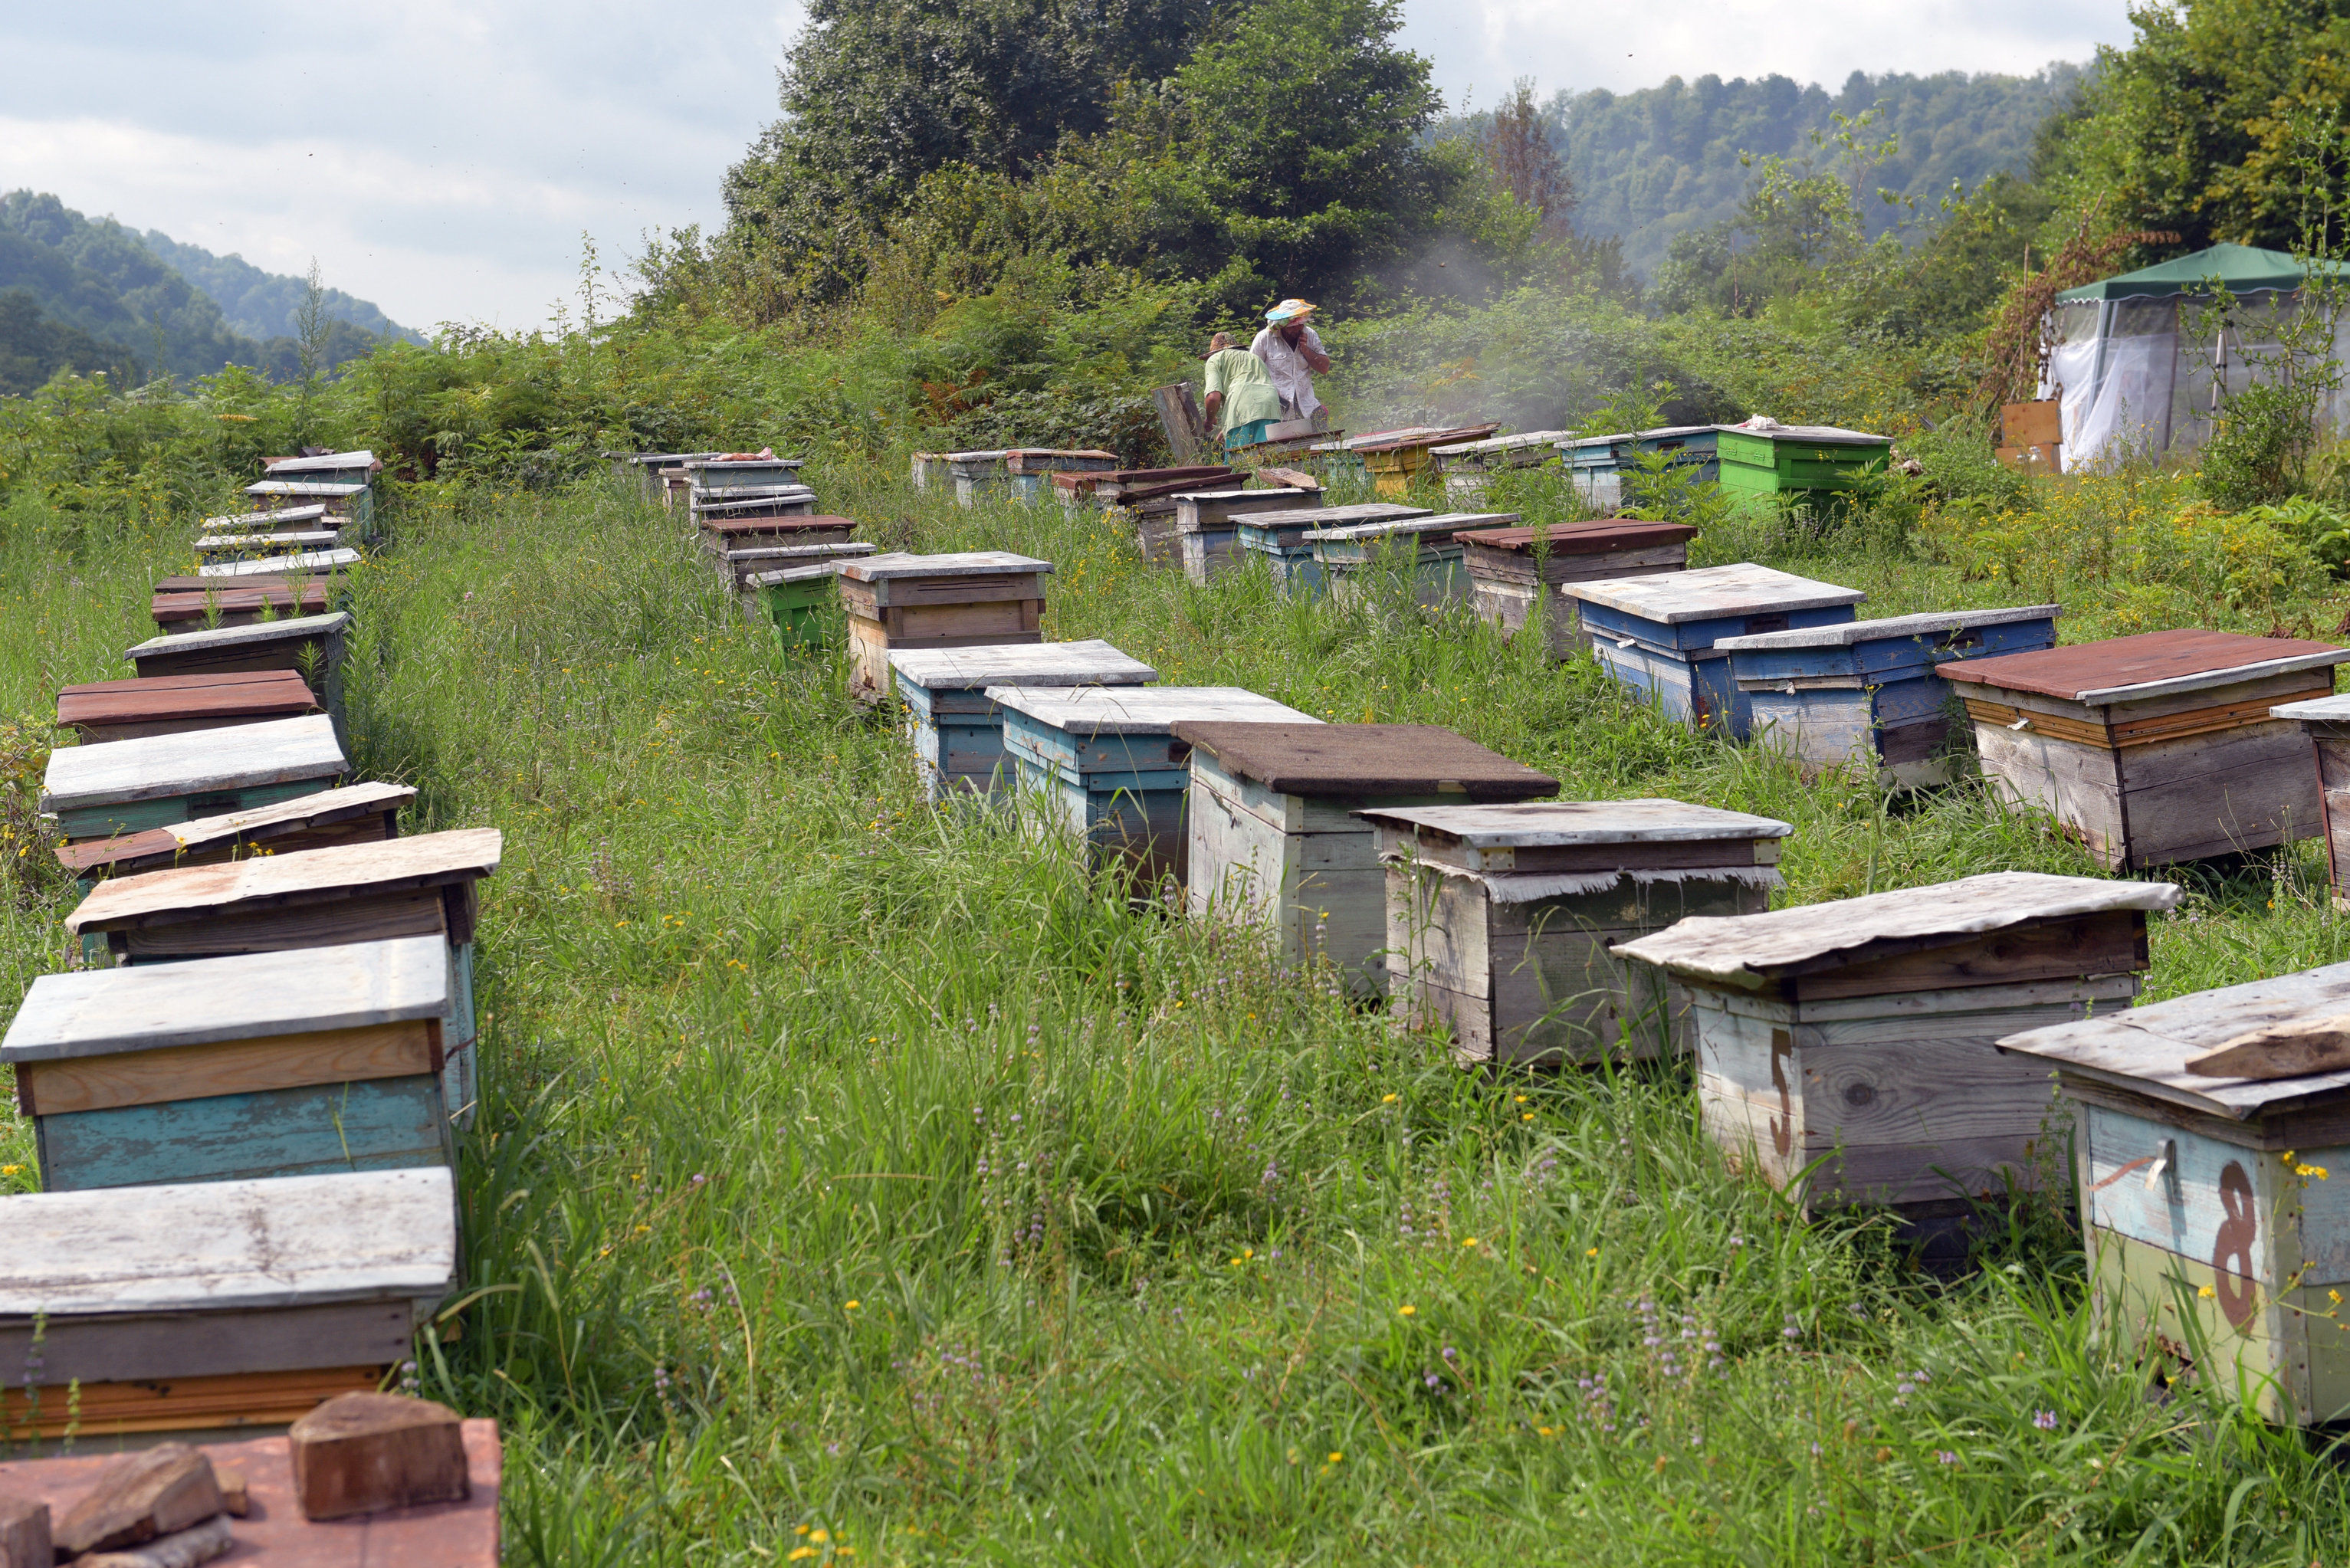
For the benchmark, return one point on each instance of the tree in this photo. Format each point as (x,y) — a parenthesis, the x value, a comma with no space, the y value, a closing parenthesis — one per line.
(1517,146)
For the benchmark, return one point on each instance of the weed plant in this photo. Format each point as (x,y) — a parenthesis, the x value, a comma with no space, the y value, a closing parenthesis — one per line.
(858,1183)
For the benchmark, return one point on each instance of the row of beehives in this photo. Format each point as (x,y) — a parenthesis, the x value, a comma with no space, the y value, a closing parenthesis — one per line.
(245,1098)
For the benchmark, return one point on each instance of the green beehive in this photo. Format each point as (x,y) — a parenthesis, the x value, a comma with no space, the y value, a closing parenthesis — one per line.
(1803,463)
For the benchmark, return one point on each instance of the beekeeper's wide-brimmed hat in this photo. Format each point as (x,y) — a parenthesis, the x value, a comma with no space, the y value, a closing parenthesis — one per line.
(1290,310)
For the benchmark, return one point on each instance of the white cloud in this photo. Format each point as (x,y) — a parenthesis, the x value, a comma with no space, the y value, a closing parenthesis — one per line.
(442,157)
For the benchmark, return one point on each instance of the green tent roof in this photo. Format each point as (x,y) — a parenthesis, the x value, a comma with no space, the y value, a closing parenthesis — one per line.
(2242,268)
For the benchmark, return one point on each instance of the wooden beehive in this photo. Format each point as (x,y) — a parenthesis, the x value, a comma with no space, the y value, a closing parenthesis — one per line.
(957,729)
(721,508)
(973,599)
(220,549)
(364,891)
(1207,524)
(1118,486)
(1029,469)
(755,537)
(1103,765)
(650,467)
(1467,467)
(194,604)
(1808,463)
(716,477)
(1512,570)
(1500,918)
(1655,635)
(2208,1200)
(176,704)
(263,1063)
(353,814)
(339,480)
(326,563)
(283,520)
(746,567)
(125,786)
(2157,748)
(215,1304)
(930,468)
(1864,693)
(1597,465)
(310,646)
(2326,722)
(1275,836)
(1424,549)
(1395,458)
(1279,538)
(355,501)
(1854,1040)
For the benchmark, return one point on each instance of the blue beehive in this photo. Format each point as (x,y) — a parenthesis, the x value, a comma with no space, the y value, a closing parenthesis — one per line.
(958,730)
(272,1064)
(1655,635)
(1864,691)
(1596,465)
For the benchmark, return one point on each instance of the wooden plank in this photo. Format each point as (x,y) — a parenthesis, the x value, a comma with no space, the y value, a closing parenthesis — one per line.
(250,996)
(355,813)
(419,861)
(381,1123)
(2105,944)
(167,766)
(229,1066)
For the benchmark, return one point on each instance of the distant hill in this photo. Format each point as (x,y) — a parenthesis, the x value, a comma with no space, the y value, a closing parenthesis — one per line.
(1652,163)
(266,304)
(90,295)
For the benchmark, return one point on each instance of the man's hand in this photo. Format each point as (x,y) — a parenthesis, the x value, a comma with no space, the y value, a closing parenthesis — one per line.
(1215,402)
(1315,361)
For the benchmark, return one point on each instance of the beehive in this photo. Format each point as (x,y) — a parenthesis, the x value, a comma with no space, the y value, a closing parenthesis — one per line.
(1394,459)
(353,814)
(268,1063)
(1274,837)
(301,563)
(311,646)
(1500,918)
(179,704)
(715,477)
(2326,722)
(193,603)
(2157,748)
(2213,1205)
(1208,522)
(957,729)
(124,786)
(1864,693)
(1812,464)
(1109,487)
(744,566)
(1103,765)
(1854,1040)
(219,1304)
(1655,635)
(1467,467)
(1027,471)
(222,549)
(1424,549)
(370,890)
(1597,465)
(1281,538)
(1511,570)
(715,507)
(974,599)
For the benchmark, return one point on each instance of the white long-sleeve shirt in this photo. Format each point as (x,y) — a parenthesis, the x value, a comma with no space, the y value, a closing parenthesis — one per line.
(1292,377)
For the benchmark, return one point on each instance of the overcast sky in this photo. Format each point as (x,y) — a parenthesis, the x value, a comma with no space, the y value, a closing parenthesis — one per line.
(443,160)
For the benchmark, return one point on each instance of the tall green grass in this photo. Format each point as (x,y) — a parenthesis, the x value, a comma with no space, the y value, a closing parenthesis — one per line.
(859,1184)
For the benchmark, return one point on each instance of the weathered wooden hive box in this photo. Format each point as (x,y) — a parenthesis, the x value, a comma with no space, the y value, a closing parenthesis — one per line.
(352,814)
(1855,1039)
(284,520)
(1208,523)
(930,469)
(755,537)
(2326,722)
(1281,538)
(186,1308)
(718,508)
(368,892)
(310,646)
(1864,693)
(1103,766)
(191,604)
(304,563)
(340,481)
(178,705)
(1511,570)
(354,502)
(973,599)
(2210,1144)
(2156,748)
(1028,470)
(271,1064)
(1426,549)
(126,786)
(1110,487)
(714,476)
(1467,467)
(1500,918)
(1395,458)
(1813,463)
(1655,635)
(1596,465)
(745,568)
(222,549)
(958,730)
(1274,837)
(651,467)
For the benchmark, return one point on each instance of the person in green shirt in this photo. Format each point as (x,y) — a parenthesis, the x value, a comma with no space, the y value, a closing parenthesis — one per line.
(1243,402)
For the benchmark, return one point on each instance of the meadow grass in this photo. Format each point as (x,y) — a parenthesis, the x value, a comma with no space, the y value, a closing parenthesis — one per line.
(858,1183)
